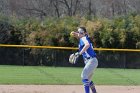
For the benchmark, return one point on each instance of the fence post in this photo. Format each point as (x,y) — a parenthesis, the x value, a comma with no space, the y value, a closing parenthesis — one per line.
(23,56)
(124,59)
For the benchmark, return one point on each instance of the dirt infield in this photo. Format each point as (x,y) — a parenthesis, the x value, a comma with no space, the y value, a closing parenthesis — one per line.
(65,89)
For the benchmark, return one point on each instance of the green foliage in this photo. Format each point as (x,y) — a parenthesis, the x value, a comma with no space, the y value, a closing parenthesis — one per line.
(120,32)
(9,34)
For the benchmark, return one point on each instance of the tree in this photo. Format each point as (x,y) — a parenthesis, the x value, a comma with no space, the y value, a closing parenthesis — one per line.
(71,6)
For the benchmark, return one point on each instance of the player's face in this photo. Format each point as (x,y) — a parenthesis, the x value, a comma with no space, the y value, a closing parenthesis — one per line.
(80,35)
(81,32)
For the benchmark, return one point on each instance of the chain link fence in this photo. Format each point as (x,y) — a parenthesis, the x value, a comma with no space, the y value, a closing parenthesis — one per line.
(59,57)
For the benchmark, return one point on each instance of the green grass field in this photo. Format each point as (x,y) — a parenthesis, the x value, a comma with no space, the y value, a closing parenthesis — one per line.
(66,75)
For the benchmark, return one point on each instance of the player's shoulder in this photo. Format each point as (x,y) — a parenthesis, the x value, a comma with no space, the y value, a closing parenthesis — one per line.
(84,39)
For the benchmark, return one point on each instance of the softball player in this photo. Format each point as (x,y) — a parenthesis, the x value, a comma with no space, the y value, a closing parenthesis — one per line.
(89,56)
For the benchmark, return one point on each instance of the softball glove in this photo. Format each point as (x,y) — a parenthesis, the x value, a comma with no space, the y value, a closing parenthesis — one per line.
(74,58)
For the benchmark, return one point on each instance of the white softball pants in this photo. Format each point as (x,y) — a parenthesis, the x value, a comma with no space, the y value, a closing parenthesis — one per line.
(90,66)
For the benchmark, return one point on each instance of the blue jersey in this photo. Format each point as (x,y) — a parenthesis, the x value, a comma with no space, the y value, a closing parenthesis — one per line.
(89,52)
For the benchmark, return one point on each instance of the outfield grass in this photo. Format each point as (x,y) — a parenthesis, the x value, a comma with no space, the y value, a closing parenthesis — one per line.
(66,75)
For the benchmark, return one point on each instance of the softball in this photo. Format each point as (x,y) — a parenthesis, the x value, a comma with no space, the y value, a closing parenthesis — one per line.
(71,34)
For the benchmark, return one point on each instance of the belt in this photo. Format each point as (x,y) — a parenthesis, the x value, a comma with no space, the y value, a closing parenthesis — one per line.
(90,57)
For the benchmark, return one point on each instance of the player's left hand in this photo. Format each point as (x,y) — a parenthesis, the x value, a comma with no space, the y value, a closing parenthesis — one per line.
(74,58)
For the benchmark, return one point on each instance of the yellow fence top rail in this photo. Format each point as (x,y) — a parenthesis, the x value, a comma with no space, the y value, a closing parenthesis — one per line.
(67,48)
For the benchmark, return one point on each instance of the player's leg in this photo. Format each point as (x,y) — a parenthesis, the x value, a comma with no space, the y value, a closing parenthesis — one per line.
(88,69)
(86,85)
(92,86)
(84,76)
(85,80)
